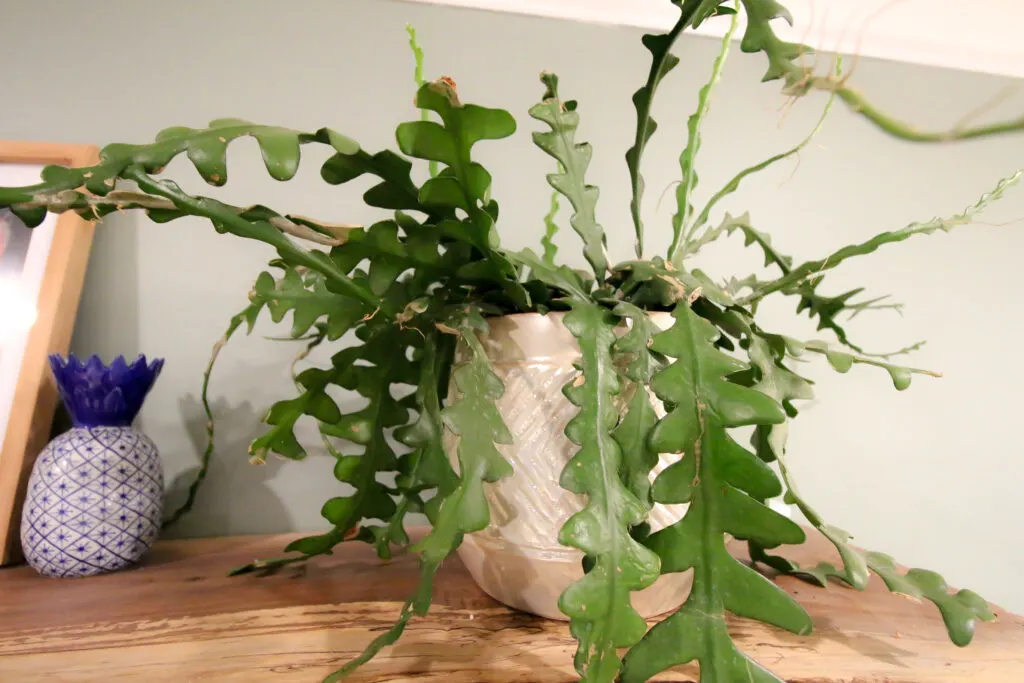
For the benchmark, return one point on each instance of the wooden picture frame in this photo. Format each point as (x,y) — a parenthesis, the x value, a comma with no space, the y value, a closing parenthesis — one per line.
(45,267)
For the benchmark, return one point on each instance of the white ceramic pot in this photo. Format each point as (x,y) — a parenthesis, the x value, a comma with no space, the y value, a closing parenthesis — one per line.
(517,560)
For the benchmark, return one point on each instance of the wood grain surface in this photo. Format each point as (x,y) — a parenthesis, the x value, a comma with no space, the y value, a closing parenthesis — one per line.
(180,618)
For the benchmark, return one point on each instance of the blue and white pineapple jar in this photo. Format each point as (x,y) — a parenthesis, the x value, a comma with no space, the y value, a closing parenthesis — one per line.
(95,497)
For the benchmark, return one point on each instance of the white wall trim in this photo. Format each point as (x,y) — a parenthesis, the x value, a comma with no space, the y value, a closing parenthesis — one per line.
(970,35)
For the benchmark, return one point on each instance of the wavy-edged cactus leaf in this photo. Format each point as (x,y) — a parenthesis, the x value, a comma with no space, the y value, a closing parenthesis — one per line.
(812,269)
(718,480)
(225,219)
(463,184)
(960,612)
(818,575)
(474,419)
(601,614)
(662,62)
(383,364)
(551,227)
(734,182)
(368,427)
(162,210)
(307,298)
(389,253)
(559,277)
(721,583)
(635,344)
(309,303)
(382,349)
(429,467)
(365,427)
(728,226)
(825,308)
(283,415)
(691,13)
(451,143)
(760,37)
(775,379)
(734,286)
(632,433)
(682,231)
(752,236)
(206,148)
(573,158)
(842,361)
(417,55)
(417,605)
(657,283)
(701,380)
(396,189)
(307,548)
(426,466)
(767,353)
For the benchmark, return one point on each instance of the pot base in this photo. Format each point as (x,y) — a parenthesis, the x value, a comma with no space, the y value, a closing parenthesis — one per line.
(530,578)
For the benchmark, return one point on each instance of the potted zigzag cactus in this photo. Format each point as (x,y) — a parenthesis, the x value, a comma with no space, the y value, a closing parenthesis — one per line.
(572,433)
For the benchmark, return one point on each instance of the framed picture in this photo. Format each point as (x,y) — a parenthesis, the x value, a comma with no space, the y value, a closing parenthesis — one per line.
(41,275)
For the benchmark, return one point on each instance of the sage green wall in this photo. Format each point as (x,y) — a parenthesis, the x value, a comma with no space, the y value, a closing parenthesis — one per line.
(932,475)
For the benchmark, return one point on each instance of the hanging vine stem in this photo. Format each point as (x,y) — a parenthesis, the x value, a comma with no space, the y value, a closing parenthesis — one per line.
(221,215)
(900,129)
(248,315)
(812,269)
(204,397)
(662,62)
(785,61)
(682,231)
(904,131)
(734,184)
(551,227)
(417,54)
(325,234)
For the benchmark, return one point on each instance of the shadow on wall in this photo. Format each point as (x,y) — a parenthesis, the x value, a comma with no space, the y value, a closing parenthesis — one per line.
(235,492)
(109,324)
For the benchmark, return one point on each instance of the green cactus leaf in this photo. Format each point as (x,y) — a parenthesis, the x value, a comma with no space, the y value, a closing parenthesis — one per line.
(463,184)
(720,480)
(573,159)
(682,227)
(599,606)
(474,419)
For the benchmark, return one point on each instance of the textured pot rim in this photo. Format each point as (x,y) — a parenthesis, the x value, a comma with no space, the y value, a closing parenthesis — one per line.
(539,337)
(558,314)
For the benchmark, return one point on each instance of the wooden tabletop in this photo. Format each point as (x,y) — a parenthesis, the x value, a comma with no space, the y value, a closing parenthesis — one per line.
(180,618)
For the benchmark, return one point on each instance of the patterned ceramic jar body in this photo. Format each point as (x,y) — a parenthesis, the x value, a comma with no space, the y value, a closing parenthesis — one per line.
(517,559)
(95,502)
(95,497)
